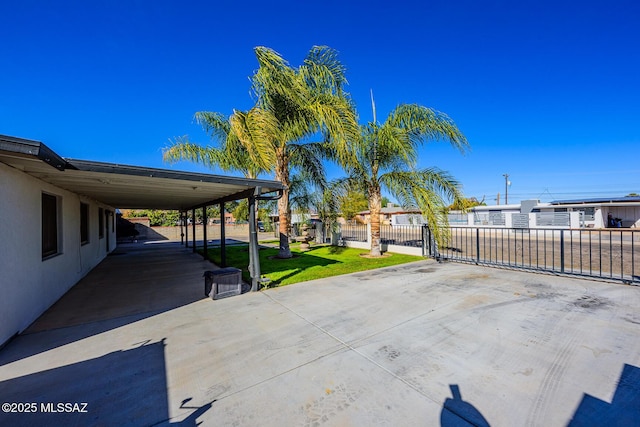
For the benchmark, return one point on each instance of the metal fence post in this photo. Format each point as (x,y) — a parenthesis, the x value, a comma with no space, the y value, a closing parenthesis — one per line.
(477,245)
(561,251)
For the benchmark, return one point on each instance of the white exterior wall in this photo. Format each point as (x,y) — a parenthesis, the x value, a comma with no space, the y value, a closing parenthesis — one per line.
(29,284)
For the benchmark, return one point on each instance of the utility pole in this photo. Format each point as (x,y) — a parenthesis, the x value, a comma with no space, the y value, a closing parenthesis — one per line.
(506,188)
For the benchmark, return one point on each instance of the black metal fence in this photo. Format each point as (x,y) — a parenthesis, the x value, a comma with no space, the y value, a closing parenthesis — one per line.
(353,232)
(606,254)
(402,235)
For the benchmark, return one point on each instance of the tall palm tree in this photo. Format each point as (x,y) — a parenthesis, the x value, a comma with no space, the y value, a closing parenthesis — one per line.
(386,158)
(293,106)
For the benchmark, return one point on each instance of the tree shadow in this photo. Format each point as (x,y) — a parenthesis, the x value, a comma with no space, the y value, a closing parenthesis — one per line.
(238,256)
(122,388)
(297,264)
(624,409)
(458,413)
(337,249)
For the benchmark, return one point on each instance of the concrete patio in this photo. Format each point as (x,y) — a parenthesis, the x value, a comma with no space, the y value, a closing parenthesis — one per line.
(423,344)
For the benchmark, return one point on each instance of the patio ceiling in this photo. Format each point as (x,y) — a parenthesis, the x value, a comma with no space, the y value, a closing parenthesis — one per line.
(124,186)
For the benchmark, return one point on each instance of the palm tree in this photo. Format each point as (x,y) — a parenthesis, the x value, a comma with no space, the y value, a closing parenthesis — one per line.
(293,106)
(386,158)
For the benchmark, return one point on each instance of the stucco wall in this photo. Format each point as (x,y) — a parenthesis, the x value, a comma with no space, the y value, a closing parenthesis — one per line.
(173,233)
(28,283)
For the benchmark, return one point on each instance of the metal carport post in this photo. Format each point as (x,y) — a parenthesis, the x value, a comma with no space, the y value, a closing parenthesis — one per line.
(205,249)
(223,247)
(254,254)
(193,228)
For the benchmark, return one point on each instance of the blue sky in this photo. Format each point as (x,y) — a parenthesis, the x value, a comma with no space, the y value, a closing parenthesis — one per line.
(547,92)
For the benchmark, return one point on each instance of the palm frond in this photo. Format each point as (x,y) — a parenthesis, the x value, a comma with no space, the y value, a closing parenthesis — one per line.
(215,124)
(307,158)
(427,124)
(274,77)
(394,144)
(181,149)
(425,189)
(255,131)
(337,119)
(323,72)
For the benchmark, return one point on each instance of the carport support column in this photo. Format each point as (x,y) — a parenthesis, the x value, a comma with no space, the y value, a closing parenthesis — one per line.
(185,215)
(193,228)
(223,239)
(254,255)
(181,221)
(205,254)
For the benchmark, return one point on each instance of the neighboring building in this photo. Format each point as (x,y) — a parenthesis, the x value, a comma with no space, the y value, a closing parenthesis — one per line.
(296,218)
(392,214)
(595,211)
(588,213)
(228,219)
(580,213)
(59,218)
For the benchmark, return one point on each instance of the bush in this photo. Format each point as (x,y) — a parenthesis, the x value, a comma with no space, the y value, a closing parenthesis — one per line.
(163,218)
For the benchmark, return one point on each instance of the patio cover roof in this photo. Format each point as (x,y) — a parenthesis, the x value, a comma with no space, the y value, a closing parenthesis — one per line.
(621,201)
(127,187)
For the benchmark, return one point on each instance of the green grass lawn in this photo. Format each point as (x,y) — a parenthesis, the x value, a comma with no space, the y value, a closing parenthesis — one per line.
(318,262)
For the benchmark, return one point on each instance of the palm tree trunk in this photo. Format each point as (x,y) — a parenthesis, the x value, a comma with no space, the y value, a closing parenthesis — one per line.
(284,219)
(375,200)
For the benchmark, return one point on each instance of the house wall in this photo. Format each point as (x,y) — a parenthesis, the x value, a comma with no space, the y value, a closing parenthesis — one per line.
(29,283)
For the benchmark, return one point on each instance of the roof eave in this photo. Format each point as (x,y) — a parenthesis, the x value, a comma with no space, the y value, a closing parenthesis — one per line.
(32,148)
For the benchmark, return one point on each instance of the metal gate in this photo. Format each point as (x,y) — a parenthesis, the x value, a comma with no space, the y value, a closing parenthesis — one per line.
(611,254)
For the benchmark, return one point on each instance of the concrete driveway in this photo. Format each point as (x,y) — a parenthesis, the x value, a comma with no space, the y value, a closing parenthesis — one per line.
(424,344)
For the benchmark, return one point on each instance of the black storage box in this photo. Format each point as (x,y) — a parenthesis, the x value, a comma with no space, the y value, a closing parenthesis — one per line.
(225,282)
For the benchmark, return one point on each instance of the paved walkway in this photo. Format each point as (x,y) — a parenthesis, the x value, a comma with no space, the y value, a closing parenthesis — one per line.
(424,344)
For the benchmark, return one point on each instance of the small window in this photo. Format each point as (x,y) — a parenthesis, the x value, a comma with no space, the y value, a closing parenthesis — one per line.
(100,223)
(84,223)
(49,225)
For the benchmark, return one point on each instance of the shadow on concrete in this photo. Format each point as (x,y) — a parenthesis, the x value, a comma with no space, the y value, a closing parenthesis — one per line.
(149,234)
(458,413)
(122,388)
(624,409)
(128,231)
(145,280)
(216,242)
(29,344)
